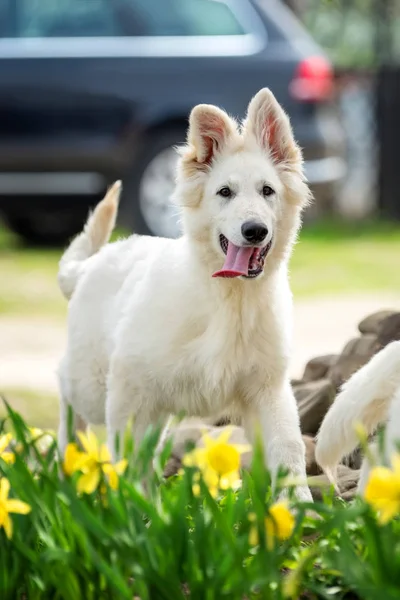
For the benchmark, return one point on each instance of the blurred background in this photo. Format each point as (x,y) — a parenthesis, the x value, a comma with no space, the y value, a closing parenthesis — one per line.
(95,90)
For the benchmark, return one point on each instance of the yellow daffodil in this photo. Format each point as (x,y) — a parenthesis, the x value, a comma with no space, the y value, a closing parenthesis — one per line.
(382,491)
(218,461)
(73,458)
(42,439)
(279,524)
(6,455)
(35,433)
(92,462)
(8,506)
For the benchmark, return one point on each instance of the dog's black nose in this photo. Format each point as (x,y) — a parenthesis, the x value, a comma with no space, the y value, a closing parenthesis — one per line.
(254,232)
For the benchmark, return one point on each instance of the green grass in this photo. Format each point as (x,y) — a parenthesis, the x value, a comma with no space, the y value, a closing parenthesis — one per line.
(29,285)
(346,258)
(142,537)
(330,258)
(38,408)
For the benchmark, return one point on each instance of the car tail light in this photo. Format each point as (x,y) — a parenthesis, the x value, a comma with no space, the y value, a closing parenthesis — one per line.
(313,80)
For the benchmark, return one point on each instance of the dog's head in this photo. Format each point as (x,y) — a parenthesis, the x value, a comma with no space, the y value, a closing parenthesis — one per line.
(241,188)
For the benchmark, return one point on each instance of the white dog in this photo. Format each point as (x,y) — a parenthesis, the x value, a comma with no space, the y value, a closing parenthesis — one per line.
(201,324)
(370,397)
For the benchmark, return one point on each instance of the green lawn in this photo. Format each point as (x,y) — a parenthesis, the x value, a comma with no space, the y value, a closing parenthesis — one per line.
(346,258)
(330,258)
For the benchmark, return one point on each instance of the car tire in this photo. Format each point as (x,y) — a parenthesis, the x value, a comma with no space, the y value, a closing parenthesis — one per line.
(138,210)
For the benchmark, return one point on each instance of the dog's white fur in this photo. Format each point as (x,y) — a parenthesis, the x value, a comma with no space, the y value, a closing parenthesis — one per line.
(151,333)
(370,397)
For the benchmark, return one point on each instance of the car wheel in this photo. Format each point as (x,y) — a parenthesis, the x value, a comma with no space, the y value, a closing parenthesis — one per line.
(46,228)
(146,205)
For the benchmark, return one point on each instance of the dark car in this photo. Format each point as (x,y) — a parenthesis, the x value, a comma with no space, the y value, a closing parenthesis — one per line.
(91,91)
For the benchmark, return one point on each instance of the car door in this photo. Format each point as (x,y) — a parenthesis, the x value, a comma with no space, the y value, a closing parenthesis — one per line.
(57,114)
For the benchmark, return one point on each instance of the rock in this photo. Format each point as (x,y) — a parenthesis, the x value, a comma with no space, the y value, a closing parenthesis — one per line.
(390,330)
(347,480)
(172,467)
(356,353)
(354,459)
(222,422)
(312,467)
(317,368)
(373,323)
(296,382)
(313,400)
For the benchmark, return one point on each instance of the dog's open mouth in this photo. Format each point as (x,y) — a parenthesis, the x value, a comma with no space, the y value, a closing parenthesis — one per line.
(245,261)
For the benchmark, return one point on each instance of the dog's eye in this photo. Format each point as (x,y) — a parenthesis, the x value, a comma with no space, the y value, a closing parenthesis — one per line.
(267,191)
(225,192)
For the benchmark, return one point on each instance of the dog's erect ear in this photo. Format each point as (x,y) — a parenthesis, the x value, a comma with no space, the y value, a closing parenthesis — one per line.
(209,130)
(268,122)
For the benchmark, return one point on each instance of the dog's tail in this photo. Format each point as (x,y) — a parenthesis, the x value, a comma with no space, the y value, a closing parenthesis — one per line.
(95,234)
(365,399)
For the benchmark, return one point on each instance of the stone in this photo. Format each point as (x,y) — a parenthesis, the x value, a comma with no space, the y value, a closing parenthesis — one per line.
(312,467)
(172,467)
(354,459)
(355,354)
(317,368)
(313,401)
(296,382)
(373,323)
(390,330)
(346,480)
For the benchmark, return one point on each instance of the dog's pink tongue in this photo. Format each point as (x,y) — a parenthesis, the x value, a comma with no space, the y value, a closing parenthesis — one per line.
(236,262)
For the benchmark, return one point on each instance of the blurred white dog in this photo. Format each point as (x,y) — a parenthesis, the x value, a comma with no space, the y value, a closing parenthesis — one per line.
(201,324)
(370,397)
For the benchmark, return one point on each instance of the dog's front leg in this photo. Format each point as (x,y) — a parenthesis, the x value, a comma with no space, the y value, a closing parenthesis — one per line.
(273,413)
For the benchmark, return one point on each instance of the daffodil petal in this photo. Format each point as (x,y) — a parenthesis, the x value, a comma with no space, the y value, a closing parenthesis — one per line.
(112,472)
(8,457)
(253,536)
(243,448)
(221,439)
(387,511)
(113,479)
(35,432)
(8,527)
(230,481)
(71,458)
(224,458)
(104,453)
(4,441)
(89,442)
(4,488)
(382,484)
(88,482)
(120,467)
(280,522)
(17,506)
(195,458)
(196,490)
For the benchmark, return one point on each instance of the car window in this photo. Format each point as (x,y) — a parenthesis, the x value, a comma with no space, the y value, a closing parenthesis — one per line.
(184,17)
(113,18)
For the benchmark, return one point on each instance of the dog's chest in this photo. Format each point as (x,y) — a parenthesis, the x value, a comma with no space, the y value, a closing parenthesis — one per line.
(217,359)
